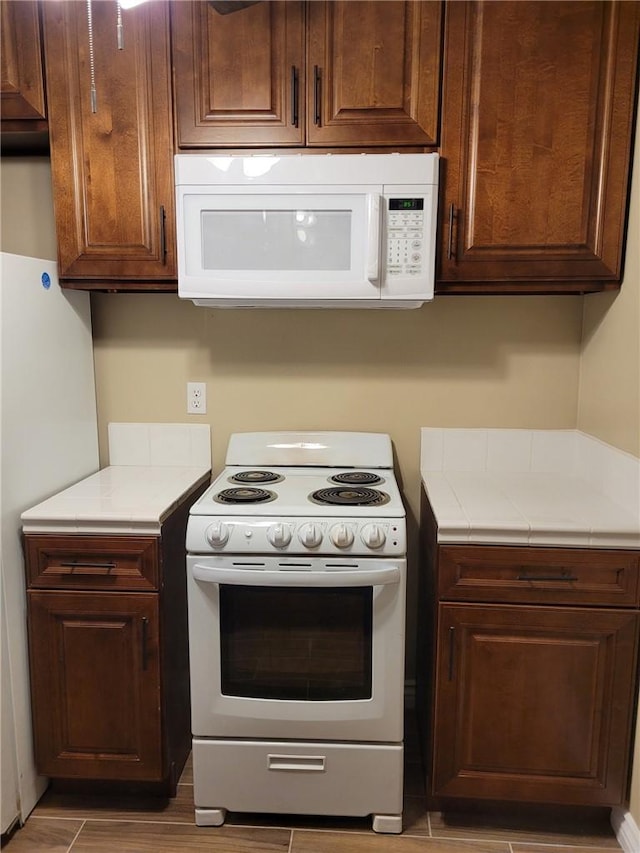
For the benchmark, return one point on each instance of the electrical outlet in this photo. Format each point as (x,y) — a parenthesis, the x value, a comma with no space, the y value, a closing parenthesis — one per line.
(196,398)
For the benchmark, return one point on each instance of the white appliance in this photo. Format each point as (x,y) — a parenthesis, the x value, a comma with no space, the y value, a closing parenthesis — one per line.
(296,577)
(306,230)
(48,441)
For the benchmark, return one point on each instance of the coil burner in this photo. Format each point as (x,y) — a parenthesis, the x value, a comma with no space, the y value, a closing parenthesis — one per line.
(357,478)
(244,495)
(256,477)
(349,497)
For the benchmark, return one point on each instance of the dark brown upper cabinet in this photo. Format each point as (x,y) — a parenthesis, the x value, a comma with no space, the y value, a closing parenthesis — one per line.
(23,106)
(287,73)
(538,110)
(112,155)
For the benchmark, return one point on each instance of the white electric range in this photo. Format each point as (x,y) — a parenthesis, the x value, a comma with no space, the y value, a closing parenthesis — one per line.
(296,581)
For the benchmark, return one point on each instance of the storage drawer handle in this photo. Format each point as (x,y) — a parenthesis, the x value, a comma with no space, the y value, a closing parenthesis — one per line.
(97,567)
(563,577)
(306,763)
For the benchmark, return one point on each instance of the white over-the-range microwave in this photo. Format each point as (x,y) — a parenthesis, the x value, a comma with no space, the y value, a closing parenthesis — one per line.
(307,230)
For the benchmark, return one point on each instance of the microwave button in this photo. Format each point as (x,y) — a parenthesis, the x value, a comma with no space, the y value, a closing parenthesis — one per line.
(416,257)
(417,244)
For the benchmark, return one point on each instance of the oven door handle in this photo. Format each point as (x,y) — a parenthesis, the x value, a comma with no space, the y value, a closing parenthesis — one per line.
(261,577)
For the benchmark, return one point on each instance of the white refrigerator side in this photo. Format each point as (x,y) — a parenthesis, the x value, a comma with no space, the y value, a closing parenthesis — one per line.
(49,440)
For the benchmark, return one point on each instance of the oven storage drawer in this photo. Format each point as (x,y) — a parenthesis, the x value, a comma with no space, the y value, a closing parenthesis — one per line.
(298,777)
(92,562)
(539,575)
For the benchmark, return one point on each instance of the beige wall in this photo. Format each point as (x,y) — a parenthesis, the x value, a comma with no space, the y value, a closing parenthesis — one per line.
(609,393)
(26,207)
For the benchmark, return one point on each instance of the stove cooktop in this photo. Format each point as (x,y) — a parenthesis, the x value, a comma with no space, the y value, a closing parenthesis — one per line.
(301,492)
(291,493)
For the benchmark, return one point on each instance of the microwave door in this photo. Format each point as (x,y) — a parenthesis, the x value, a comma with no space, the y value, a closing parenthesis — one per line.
(282,245)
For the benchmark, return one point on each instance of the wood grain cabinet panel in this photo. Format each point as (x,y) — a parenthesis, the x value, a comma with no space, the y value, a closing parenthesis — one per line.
(93,562)
(112,157)
(373,74)
(22,94)
(95,676)
(534,701)
(579,576)
(288,73)
(238,77)
(537,118)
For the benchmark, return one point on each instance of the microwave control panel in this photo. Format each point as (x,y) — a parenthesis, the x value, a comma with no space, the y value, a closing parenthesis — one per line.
(405,236)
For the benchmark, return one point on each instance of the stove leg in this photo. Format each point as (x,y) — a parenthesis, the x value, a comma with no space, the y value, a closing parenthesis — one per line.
(390,823)
(210,817)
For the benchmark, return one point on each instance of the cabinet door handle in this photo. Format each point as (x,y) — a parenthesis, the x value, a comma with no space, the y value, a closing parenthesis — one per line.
(452,213)
(452,650)
(294,96)
(317,92)
(163,235)
(145,629)
(76,564)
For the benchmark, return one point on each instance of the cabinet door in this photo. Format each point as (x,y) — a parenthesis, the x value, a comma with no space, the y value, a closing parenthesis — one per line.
(373,73)
(22,94)
(537,112)
(534,704)
(111,161)
(95,683)
(238,76)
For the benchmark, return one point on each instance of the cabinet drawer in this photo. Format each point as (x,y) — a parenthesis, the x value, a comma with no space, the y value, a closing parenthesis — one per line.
(92,562)
(538,575)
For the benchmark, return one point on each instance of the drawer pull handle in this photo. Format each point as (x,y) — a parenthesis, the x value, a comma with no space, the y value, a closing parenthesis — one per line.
(564,577)
(307,763)
(101,567)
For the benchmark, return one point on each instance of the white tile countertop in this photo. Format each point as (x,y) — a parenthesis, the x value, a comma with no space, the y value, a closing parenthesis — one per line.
(530,487)
(153,466)
(120,499)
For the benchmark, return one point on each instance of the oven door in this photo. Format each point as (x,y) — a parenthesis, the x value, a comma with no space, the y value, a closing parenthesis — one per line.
(297,648)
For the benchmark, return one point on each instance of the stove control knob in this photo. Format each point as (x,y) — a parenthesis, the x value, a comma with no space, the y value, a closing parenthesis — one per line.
(341,535)
(279,535)
(373,536)
(310,535)
(217,534)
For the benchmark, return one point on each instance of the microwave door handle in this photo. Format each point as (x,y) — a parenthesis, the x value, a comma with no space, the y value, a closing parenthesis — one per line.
(373,237)
(261,577)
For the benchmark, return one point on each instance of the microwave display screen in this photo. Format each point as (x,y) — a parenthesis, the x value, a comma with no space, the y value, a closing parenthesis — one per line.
(257,239)
(406,204)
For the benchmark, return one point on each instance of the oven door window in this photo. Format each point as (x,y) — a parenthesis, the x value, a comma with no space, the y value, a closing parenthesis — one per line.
(296,643)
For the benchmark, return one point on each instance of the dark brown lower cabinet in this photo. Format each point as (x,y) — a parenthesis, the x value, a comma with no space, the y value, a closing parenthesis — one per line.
(109,655)
(527,672)
(534,703)
(97,671)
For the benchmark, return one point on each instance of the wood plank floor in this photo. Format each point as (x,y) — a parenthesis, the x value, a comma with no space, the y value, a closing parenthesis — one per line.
(71,823)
